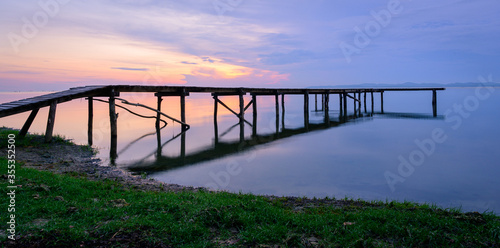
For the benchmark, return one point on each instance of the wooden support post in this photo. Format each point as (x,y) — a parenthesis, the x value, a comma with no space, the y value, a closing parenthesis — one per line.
(50,122)
(113,126)
(327,108)
(316,102)
(306,109)
(434,103)
(28,123)
(283,112)
(183,109)
(365,101)
(359,102)
(158,143)
(323,101)
(340,104)
(242,117)
(354,103)
(90,125)
(382,101)
(373,102)
(216,128)
(277,103)
(158,115)
(254,110)
(345,104)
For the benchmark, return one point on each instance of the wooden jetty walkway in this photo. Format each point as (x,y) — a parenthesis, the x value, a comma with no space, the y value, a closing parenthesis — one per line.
(112,93)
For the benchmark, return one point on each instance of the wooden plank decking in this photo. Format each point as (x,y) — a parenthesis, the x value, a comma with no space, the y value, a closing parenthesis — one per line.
(35,103)
(16,107)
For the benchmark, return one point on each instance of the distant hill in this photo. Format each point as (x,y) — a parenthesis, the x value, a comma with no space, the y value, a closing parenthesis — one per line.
(410,85)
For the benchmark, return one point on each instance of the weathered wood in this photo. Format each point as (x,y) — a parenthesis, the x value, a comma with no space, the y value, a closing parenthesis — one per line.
(113,128)
(364,100)
(277,108)
(345,104)
(306,109)
(242,117)
(382,102)
(327,108)
(315,102)
(359,102)
(90,121)
(28,123)
(225,106)
(340,104)
(354,104)
(283,111)
(183,110)
(216,128)
(373,102)
(323,101)
(434,103)
(158,108)
(254,113)
(50,122)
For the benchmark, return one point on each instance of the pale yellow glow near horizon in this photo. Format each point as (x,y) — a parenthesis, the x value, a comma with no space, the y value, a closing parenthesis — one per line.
(57,56)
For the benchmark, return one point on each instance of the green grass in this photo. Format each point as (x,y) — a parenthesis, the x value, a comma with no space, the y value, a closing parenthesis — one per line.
(78,211)
(67,211)
(29,140)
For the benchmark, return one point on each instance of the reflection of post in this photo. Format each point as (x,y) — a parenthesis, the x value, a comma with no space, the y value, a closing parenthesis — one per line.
(216,129)
(50,121)
(242,117)
(323,101)
(434,103)
(277,103)
(183,145)
(382,101)
(113,126)
(254,108)
(158,143)
(183,109)
(306,109)
(283,112)
(90,121)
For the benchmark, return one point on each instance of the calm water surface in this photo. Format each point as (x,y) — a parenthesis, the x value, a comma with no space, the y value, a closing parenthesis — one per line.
(404,154)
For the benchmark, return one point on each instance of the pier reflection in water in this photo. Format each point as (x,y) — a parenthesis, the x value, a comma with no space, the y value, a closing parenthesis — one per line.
(219,149)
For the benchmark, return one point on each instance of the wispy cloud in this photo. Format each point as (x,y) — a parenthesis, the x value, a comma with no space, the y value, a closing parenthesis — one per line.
(129,69)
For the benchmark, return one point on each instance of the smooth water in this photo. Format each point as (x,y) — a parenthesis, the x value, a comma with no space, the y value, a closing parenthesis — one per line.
(404,154)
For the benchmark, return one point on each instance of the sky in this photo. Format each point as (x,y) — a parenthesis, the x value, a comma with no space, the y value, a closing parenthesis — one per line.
(58,44)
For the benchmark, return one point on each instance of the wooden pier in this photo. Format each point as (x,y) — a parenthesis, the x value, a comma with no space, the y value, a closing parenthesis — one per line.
(112,93)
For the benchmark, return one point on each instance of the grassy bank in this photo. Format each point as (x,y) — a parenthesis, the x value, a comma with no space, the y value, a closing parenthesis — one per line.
(69,210)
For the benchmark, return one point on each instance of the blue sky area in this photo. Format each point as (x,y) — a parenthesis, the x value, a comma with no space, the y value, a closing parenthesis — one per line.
(53,45)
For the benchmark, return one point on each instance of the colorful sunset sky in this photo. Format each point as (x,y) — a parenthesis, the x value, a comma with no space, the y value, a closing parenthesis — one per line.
(58,44)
